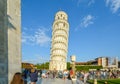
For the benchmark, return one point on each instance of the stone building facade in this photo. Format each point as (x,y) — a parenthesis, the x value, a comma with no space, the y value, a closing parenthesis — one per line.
(10,39)
(59,45)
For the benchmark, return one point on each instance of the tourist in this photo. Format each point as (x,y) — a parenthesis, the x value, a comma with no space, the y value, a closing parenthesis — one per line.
(85,77)
(79,80)
(17,79)
(33,76)
(44,73)
(65,74)
(25,75)
(71,73)
(54,73)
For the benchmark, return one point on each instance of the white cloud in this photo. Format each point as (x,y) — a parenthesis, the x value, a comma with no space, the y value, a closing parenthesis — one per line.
(91,2)
(37,37)
(26,39)
(114,5)
(41,38)
(25,28)
(36,59)
(23,40)
(87,20)
(107,2)
(78,3)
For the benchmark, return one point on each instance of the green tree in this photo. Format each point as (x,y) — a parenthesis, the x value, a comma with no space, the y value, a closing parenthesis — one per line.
(43,65)
(86,68)
(68,65)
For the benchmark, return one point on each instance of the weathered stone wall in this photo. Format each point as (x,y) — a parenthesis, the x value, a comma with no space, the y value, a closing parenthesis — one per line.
(10,39)
(3,44)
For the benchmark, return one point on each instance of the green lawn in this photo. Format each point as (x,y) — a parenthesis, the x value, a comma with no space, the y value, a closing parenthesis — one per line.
(109,81)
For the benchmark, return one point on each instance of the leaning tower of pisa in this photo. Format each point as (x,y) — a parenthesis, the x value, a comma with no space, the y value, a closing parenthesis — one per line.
(59,45)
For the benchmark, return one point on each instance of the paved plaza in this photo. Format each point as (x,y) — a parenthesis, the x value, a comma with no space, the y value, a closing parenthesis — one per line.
(54,81)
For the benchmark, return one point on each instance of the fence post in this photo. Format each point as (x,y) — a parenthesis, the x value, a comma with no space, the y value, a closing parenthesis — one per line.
(95,81)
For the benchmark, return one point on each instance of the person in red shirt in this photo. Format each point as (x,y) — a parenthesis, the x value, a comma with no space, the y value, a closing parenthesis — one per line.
(70,75)
(71,72)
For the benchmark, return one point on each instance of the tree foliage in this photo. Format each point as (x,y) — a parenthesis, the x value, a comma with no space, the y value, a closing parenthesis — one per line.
(68,65)
(80,67)
(86,68)
(42,66)
(46,65)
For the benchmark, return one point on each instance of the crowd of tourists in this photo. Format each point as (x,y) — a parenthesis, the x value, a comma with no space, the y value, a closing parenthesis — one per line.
(99,74)
(22,78)
(32,75)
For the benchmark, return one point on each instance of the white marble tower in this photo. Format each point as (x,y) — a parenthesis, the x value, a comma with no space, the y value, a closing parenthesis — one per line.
(59,45)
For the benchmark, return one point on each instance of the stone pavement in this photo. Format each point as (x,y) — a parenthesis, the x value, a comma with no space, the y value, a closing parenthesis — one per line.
(54,81)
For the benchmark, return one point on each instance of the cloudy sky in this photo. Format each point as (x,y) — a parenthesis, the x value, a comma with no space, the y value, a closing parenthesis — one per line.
(94,28)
